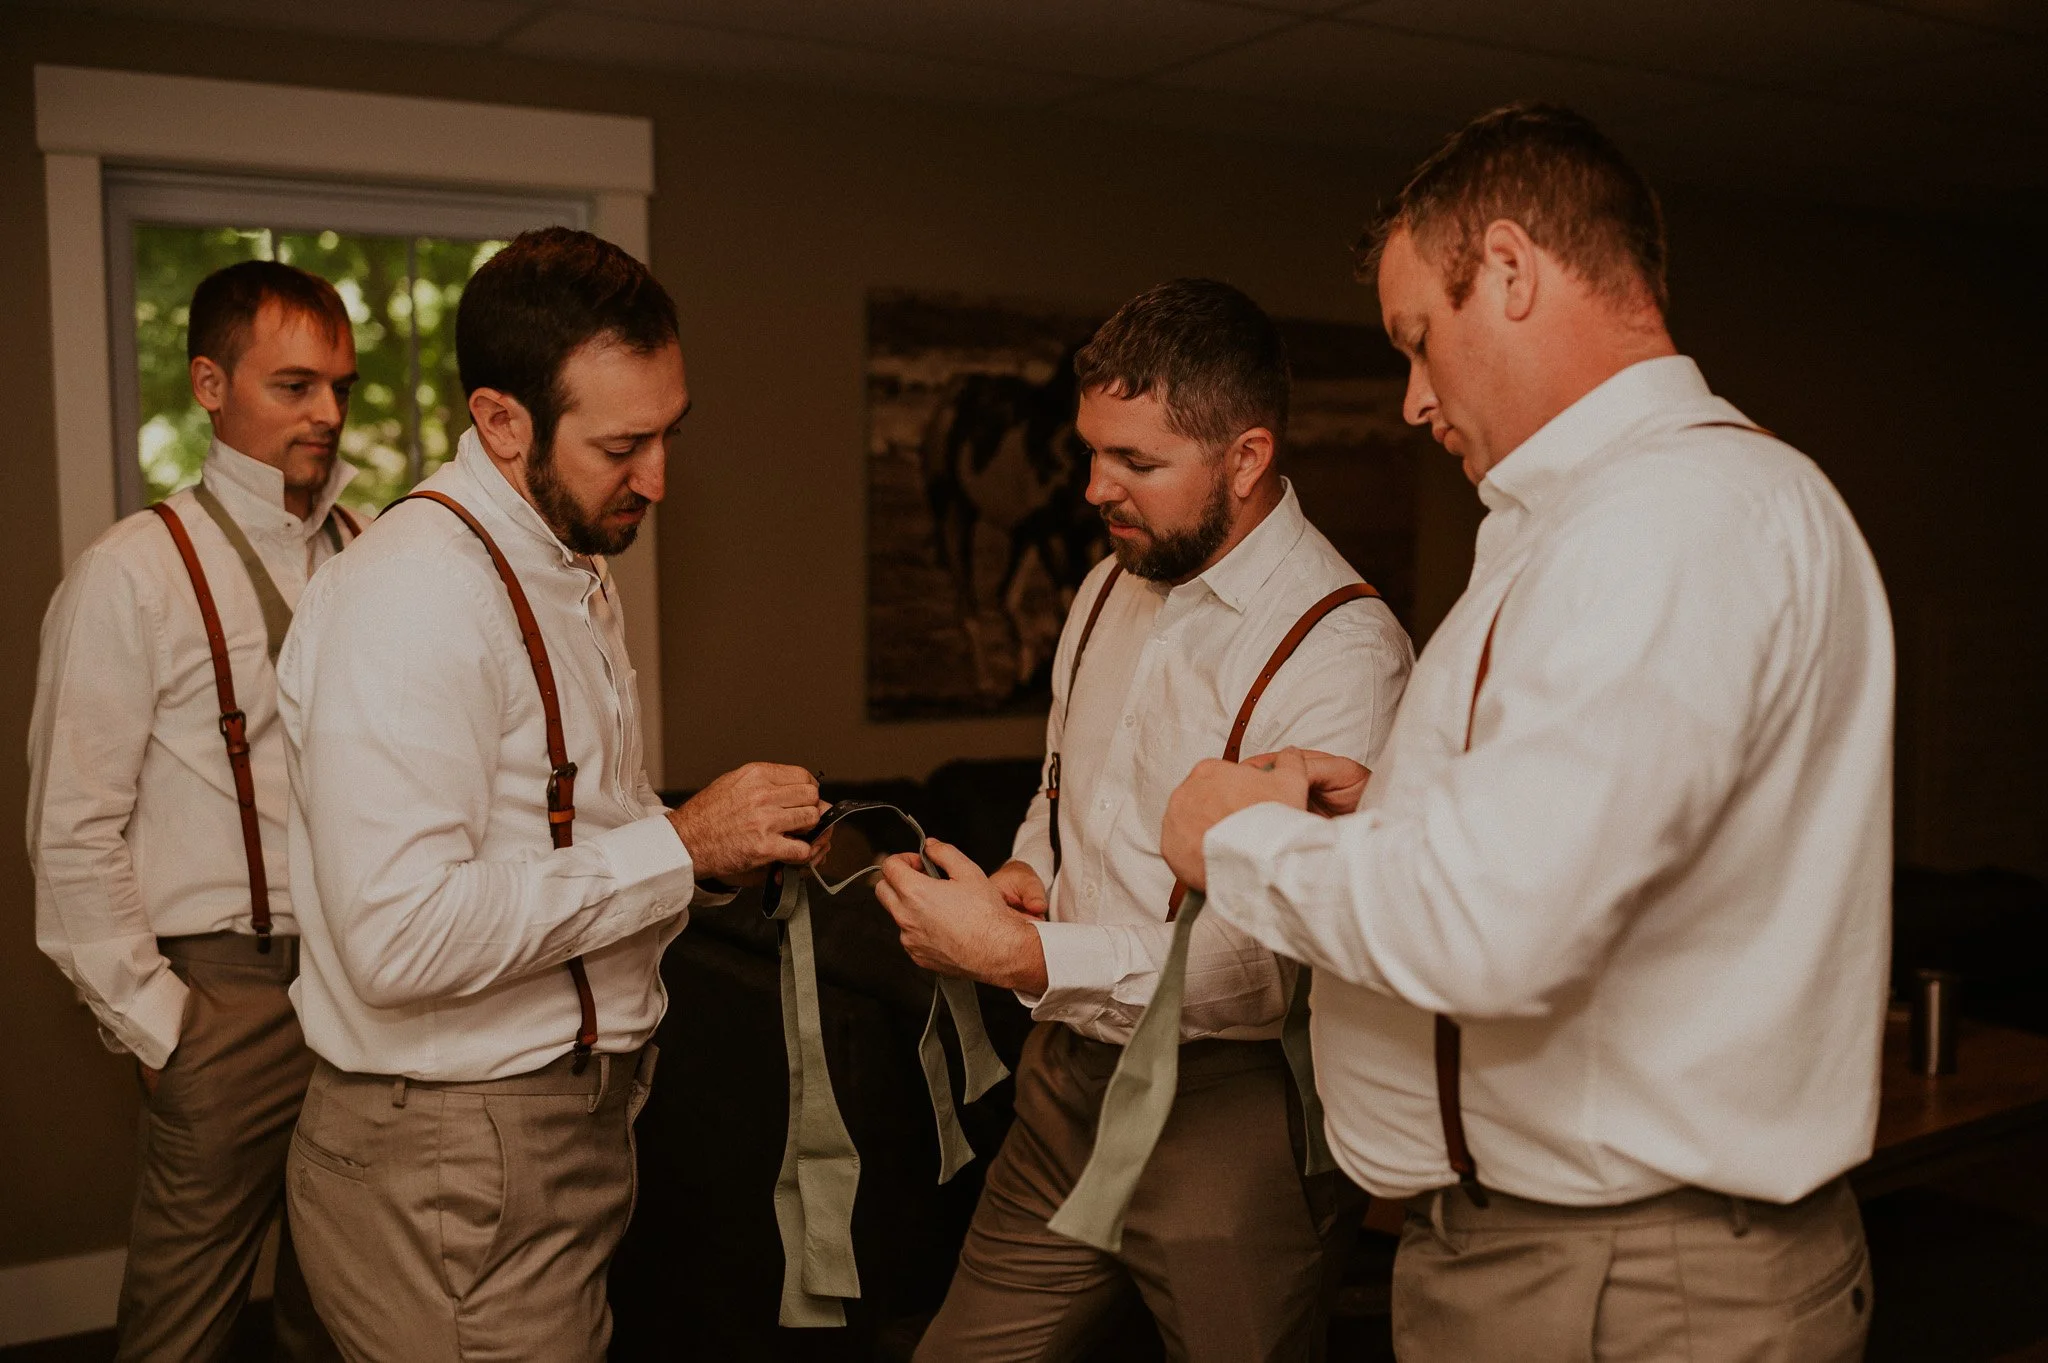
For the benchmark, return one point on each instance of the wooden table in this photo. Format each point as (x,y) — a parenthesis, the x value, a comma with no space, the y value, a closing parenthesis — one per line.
(1929,1127)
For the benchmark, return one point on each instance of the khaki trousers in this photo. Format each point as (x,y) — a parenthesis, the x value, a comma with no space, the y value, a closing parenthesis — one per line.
(1689,1275)
(451,1221)
(212,1155)
(1230,1248)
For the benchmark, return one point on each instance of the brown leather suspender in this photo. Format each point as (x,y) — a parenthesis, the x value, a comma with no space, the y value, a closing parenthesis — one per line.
(234,728)
(234,724)
(1052,776)
(1449,1039)
(1310,618)
(561,771)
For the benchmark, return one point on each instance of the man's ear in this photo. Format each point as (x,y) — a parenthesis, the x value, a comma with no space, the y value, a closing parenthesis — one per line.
(209,384)
(1250,456)
(1508,261)
(503,424)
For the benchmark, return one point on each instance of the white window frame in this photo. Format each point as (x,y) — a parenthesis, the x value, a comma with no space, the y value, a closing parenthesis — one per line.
(88,119)
(197,199)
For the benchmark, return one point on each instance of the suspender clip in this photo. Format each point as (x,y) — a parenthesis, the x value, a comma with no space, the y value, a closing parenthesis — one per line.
(263,938)
(1469,1180)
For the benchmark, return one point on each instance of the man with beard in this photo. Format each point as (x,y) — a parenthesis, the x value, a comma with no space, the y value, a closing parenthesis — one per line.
(156,812)
(488,879)
(1184,397)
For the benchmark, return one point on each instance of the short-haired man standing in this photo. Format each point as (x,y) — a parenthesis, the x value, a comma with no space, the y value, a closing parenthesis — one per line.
(1184,404)
(488,879)
(159,849)
(1630,841)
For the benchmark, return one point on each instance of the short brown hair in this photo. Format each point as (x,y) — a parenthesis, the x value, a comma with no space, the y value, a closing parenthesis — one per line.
(1549,170)
(1211,353)
(225,305)
(533,304)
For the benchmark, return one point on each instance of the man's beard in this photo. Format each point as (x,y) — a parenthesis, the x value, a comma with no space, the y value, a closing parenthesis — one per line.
(581,532)
(1177,554)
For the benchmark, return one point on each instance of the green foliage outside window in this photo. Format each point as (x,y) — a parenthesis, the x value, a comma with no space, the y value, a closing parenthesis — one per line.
(401,294)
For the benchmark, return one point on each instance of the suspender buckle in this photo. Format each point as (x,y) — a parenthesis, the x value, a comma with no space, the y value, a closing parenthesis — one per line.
(234,727)
(562,791)
(263,938)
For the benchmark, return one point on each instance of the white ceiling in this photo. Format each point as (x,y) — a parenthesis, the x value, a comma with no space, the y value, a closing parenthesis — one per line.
(1927,105)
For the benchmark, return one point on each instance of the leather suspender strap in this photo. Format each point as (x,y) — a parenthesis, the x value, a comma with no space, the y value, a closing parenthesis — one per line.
(561,771)
(1449,1039)
(1052,776)
(234,727)
(1310,618)
(355,527)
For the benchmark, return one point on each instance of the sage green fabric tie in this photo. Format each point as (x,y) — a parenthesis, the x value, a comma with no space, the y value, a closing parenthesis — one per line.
(277,616)
(814,1192)
(1140,1097)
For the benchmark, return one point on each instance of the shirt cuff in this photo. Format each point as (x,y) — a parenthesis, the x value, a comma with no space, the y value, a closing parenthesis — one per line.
(645,852)
(1235,852)
(1080,971)
(151,1024)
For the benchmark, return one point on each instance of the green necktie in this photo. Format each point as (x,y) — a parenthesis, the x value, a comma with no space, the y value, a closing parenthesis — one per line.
(1141,1092)
(820,1175)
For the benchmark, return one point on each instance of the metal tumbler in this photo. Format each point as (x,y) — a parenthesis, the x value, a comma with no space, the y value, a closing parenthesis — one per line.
(1933,1028)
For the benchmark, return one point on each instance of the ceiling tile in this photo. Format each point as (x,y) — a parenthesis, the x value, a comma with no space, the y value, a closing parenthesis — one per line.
(465,22)
(1812,149)
(613,40)
(1076,36)
(1788,44)
(1405,138)
(1350,67)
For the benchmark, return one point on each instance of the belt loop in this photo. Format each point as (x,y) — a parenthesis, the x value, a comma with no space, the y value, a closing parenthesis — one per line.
(398,1089)
(604,1078)
(1436,1220)
(1738,1216)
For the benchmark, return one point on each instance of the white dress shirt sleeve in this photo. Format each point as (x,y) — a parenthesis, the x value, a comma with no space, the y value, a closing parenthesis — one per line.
(404,703)
(1600,760)
(95,709)
(1337,694)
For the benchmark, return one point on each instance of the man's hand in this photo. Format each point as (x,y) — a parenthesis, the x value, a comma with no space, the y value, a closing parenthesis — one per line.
(1213,792)
(965,925)
(1020,888)
(1335,784)
(742,821)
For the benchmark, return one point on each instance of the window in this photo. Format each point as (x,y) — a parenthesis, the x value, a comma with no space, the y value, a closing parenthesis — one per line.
(399,259)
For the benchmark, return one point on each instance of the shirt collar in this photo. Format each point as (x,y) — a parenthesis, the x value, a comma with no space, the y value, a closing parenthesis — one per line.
(1549,458)
(505,499)
(1236,577)
(253,491)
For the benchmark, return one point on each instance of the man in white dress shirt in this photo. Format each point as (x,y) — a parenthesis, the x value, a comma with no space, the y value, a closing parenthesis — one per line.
(1630,841)
(1184,405)
(144,887)
(487,879)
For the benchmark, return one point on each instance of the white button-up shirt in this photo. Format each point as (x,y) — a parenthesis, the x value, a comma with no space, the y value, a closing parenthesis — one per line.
(1655,892)
(133,827)
(437,916)
(1159,687)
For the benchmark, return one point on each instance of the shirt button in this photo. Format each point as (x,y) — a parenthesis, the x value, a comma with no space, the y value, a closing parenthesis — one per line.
(1129,720)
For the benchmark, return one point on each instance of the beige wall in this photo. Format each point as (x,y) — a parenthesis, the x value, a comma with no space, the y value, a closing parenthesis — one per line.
(1867,343)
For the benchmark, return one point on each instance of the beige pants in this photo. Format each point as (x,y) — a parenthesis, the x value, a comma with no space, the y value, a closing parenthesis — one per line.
(455,1221)
(1225,1242)
(1690,1275)
(212,1157)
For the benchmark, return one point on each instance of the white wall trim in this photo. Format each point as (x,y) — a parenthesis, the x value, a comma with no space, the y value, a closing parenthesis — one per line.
(59,1297)
(85,118)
